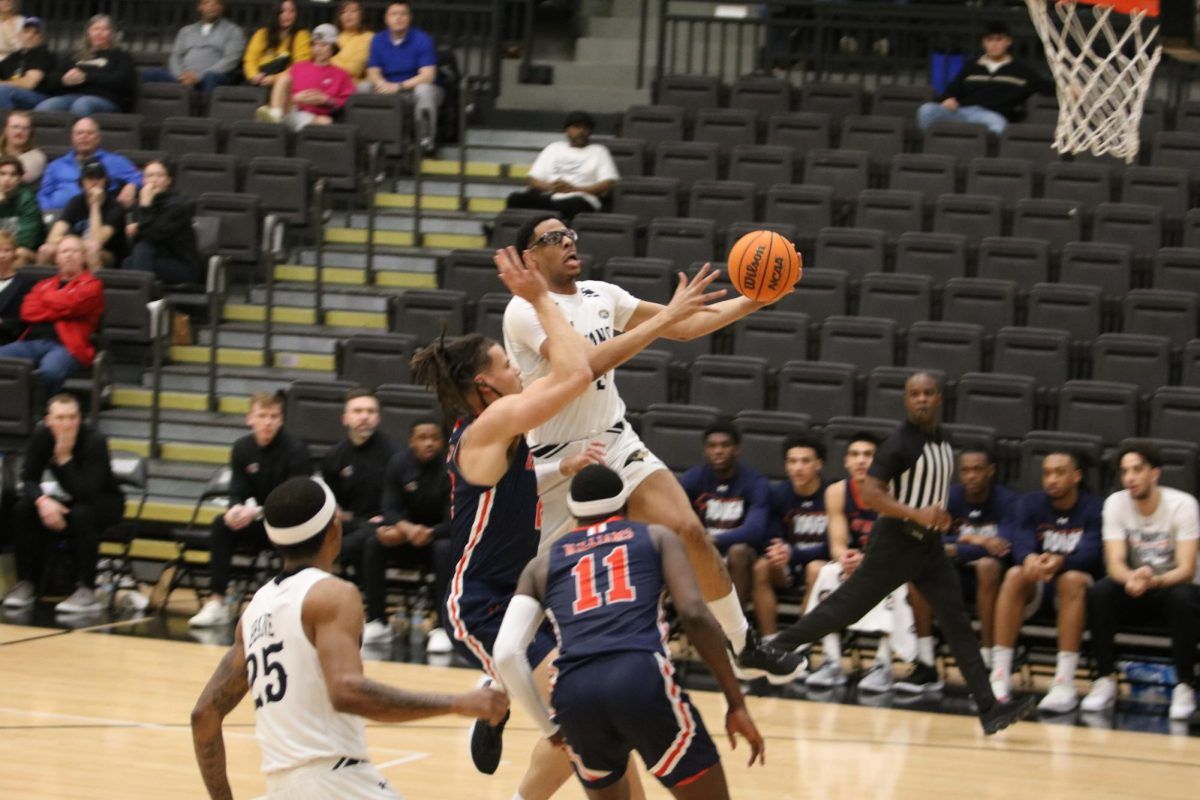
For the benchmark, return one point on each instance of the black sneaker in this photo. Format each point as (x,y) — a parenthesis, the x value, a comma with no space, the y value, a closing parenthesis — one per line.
(760,660)
(1001,715)
(487,743)
(923,678)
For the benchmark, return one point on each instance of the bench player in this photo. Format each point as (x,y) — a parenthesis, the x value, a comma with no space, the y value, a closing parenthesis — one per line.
(599,311)
(602,585)
(296,650)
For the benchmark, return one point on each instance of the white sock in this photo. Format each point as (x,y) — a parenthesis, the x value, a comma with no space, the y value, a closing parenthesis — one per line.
(276,113)
(728,611)
(1002,661)
(832,645)
(1067,664)
(883,653)
(986,653)
(925,651)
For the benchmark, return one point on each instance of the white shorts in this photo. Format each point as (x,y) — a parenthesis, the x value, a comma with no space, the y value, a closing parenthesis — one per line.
(625,454)
(319,780)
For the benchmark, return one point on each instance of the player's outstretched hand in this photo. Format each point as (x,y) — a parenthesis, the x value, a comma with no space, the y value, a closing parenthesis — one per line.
(934,518)
(594,454)
(522,280)
(486,704)
(737,721)
(690,296)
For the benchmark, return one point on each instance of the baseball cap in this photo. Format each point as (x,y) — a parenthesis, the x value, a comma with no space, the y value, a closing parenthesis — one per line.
(325,34)
(580,118)
(93,168)
(35,22)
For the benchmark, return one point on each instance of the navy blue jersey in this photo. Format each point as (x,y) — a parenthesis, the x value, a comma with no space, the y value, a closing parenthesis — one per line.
(801,521)
(734,511)
(978,519)
(859,518)
(494,530)
(604,590)
(1038,527)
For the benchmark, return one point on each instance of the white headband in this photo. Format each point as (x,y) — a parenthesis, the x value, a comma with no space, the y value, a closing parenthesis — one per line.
(581,509)
(308,529)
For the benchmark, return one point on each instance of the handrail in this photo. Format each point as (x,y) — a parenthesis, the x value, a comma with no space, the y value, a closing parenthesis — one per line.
(272,248)
(318,225)
(160,331)
(375,167)
(215,285)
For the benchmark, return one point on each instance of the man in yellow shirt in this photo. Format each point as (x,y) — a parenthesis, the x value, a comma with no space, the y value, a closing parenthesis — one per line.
(354,41)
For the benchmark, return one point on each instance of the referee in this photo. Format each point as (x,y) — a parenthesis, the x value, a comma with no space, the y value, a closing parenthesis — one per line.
(908,484)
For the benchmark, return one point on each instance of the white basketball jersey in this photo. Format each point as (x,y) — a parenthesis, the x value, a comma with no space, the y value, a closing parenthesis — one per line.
(598,310)
(294,720)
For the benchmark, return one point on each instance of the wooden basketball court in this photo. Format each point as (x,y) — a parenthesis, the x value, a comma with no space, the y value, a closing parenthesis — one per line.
(91,715)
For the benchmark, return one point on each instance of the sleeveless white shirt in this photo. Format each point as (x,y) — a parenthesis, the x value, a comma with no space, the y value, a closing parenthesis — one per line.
(598,310)
(294,720)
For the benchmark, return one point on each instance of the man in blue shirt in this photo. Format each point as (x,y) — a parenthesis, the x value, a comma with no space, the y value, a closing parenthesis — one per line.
(403,59)
(1057,551)
(60,182)
(733,502)
(978,508)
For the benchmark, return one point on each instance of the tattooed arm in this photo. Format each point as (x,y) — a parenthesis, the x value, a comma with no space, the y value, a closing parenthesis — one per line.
(333,621)
(225,689)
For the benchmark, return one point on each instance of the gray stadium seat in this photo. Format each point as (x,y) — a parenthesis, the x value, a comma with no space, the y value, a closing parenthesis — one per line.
(1161,187)
(974,216)
(647,198)
(689,92)
(1103,264)
(731,383)
(232,103)
(489,314)
(240,219)
(838,100)
(401,405)
(180,136)
(1078,182)
(723,202)
(425,313)
(1024,261)
(763,434)
(1160,313)
(1191,364)
(844,171)
(809,208)
(800,131)
(247,139)
(763,94)
(1042,353)
(650,279)
(855,251)
(1177,269)
(880,136)
(762,165)
(892,211)
(283,185)
(904,299)
(158,101)
(1144,361)
(726,127)
(686,162)
(1175,412)
(941,256)
(1102,408)
(1006,403)
(470,271)
(1178,150)
(1031,141)
(962,141)
(508,222)
(1056,221)
(380,119)
(1191,228)
(824,293)
(837,433)
(931,175)
(990,303)
(369,359)
(120,132)
(866,342)
(1069,307)
(777,338)
(682,241)
(199,173)
(126,293)
(645,380)
(1126,223)
(54,128)
(885,390)
(954,348)
(629,156)
(605,236)
(314,413)
(900,100)
(1009,179)
(1179,461)
(1037,444)
(653,124)
(333,152)
(675,433)
(820,389)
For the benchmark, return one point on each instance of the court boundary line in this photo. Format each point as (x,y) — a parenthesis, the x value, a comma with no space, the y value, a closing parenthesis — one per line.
(86,629)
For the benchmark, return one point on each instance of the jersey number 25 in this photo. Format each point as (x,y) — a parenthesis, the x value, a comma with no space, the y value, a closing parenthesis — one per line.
(273,691)
(587,598)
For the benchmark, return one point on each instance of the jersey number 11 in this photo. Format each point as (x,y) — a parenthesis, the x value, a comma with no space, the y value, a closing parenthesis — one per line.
(587,598)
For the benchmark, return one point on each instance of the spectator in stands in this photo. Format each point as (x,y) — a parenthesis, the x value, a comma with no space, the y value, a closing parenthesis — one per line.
(259,462)
(102,78)
(160,230)
(354,469)
(17,140)
(1150,547)
(311,92)
(415,532)
(24,72)
(800,527)
(11,25)
(61,181)
(61,314)
(569,177)
(206,54)
(276,46)
(991,91)
(354,41)
(979,508)
(86,502)
(19,212)
(1055,537)
(13,288)
(733,502)
(94,215)
(403,59)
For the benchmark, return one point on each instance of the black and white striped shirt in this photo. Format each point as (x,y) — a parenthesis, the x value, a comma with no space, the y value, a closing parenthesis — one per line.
(916,467)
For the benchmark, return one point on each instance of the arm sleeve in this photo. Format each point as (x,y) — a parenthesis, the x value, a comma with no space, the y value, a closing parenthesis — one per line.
(165,221)
(606,168)
(522,327)
(1187,520)
(1111,529)
(31,231)
(55,186)
(891,460)
(342,89)
(753,530)
(175,60)
(119,75)
(253,54)
(50,306)
(521,622)
(374,56)
(955,86)
(541,167)
(1088,556)
(121,171)
(231,52)
(240,487)
(625,305)
(428,57)
(301,46)
(1018,529)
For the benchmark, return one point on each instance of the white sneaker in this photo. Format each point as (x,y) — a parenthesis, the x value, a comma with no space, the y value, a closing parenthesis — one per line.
(213,615)
(829,675)
(377,631)
(1102,696)
(1061,698)
(81,601)
(1001,686)
(1183,702)
(878,679)
(438,642)
(20,596)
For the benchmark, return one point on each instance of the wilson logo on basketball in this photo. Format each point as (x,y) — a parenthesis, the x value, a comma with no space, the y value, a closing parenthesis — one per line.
(750,275)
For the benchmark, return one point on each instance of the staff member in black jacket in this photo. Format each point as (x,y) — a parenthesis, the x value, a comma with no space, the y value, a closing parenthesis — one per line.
(414,530)
(354,470)
(160,229)
(13,288)
(259,462)
(991,91)
(100,79)
(88,501)
(908,484)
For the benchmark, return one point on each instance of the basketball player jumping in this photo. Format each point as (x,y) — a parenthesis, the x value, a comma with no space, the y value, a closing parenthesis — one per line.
(296,650)
(599,311)
(602,584)
(495,512)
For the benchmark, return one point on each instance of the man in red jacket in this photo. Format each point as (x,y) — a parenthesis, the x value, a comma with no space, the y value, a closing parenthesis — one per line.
(60,316)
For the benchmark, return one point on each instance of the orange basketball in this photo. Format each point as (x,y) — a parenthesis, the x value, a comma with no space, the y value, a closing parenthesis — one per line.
(763,266)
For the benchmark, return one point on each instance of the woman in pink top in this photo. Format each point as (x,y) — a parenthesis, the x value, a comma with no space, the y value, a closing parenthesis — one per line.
(311,92)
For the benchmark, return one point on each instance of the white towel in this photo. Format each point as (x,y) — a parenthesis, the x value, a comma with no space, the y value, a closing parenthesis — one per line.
(892,617)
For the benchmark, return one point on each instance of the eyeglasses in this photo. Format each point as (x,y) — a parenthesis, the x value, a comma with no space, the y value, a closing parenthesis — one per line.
(553,238)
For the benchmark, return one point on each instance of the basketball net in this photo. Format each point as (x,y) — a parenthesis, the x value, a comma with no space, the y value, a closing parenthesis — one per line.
(1102,61)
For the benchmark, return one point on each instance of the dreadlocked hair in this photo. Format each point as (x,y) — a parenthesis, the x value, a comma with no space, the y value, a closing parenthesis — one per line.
(449,367)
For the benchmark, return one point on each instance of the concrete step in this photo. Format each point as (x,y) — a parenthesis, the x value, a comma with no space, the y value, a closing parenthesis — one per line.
(250,335)
(510,137)
(472,190)
(128,396)
(416,261)
(385,237)
(621,50)
(357,276)
(245,357)
(620,27)
(236,381)
(344,298)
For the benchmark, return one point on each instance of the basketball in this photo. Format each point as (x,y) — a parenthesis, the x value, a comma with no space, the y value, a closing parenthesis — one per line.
(763,266)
